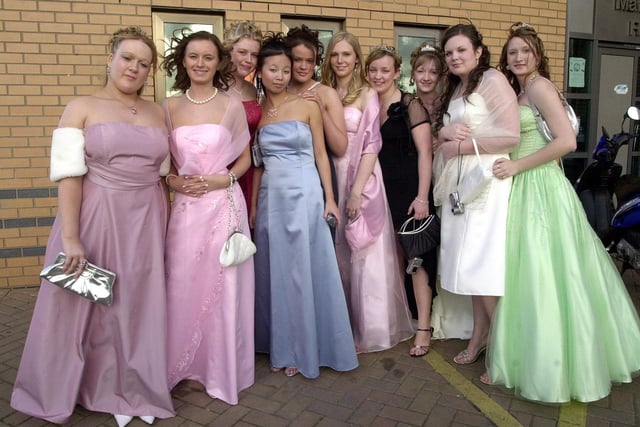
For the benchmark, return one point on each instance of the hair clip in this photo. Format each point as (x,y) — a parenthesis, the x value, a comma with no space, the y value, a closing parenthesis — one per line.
(386,48)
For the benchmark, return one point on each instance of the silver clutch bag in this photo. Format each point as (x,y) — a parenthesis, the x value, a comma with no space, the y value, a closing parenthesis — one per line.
(94,284)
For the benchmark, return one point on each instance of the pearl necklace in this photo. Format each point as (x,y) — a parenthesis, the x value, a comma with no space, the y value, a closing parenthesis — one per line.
(204,101)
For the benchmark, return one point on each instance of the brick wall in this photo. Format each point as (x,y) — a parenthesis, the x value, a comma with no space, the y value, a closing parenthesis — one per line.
(51,51)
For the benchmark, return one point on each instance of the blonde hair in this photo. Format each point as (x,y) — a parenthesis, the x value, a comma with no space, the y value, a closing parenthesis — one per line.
(358,80)
(241,30)
(382,51)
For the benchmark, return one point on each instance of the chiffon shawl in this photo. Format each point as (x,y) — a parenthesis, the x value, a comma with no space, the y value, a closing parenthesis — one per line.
(492,114)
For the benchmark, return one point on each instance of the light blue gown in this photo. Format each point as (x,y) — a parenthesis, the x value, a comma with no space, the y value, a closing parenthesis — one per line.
(301,314)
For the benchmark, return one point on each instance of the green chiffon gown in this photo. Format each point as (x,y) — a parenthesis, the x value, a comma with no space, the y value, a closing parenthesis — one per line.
(566,327)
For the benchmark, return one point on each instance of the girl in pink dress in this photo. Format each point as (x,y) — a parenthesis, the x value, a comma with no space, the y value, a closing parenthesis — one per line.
(243,40)
(365,240)
(112,211)
(210,307)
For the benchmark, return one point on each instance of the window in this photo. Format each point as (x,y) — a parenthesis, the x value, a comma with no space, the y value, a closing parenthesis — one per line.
(407,39)
(164,25)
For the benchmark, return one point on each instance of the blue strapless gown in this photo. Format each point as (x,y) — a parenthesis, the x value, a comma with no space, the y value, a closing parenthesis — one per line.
(566,327)
(301,314)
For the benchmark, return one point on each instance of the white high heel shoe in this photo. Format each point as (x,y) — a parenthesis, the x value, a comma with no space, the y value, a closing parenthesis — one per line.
(122,420)
(148,419)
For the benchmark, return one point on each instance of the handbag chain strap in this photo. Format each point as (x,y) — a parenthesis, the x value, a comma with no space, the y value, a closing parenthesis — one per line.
(232,205)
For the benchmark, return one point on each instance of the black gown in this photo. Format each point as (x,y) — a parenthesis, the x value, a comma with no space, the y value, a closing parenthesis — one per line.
(399,162)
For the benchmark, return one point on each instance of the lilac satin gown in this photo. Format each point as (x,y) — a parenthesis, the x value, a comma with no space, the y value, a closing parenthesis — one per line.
(373,284)
(210,307)
(106,359)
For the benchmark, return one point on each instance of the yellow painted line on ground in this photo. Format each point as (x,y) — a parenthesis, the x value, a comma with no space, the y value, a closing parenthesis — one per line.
(496,413)
(573,414)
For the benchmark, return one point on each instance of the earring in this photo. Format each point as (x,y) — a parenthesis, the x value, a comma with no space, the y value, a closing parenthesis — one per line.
(507,68)
(108,70)
(259,90)
(411,81)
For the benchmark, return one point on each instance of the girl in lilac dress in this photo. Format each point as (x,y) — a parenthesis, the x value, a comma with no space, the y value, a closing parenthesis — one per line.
(243,41)
(365,240)
(107,155)
(210,307)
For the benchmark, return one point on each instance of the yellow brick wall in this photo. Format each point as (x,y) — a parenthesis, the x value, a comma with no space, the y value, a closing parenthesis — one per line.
(53,50)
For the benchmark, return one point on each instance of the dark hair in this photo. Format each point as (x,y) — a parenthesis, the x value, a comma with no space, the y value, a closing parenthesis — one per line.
(173,61)
(134,33)
(469,31)
(273,44)
(527,33)
(307,37)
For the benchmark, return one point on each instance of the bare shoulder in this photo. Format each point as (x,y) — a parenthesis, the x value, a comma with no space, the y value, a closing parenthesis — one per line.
(154,108)
(542,89)
(76,112)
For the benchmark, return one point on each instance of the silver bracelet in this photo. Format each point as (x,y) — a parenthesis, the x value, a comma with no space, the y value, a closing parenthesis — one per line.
(166,178)
(419,200)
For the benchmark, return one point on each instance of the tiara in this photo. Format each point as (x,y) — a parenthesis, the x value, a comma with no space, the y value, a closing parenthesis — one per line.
(386,48)
(427,48)
(523,25)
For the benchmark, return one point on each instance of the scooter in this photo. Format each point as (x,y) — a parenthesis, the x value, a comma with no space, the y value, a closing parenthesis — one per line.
(617,224)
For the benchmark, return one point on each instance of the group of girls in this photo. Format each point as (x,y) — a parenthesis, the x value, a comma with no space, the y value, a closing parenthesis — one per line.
(280,160)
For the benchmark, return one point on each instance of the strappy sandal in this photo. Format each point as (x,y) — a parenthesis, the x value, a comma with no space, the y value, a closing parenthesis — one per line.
(465,358)
(485,379)
(421,350)
(291,371)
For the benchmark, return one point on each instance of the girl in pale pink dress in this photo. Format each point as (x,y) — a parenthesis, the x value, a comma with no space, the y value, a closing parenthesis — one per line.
(243,40)
(210,307)
(365,240)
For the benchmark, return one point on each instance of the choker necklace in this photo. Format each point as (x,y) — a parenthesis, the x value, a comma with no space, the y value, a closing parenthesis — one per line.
(204,101)
(272,112)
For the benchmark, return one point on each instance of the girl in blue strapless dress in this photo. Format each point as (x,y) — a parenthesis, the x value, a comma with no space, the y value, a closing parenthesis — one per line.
(301,313)
(566,327)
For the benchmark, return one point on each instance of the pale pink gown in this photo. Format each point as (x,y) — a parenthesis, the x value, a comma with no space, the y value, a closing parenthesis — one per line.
(210,308)
(373,284)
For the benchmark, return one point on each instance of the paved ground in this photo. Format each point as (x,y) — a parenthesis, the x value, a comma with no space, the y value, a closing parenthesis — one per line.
(388,389)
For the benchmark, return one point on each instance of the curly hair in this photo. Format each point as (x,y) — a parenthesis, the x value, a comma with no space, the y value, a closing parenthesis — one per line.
(173,60)
(307,37)
(133,33)
(241,30)
(529,35)
(471,32)
(358,80)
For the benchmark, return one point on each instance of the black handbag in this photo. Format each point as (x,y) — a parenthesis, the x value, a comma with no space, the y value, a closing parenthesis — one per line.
(419,236)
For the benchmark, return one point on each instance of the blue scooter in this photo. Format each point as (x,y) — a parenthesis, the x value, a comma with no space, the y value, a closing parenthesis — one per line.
(617,224)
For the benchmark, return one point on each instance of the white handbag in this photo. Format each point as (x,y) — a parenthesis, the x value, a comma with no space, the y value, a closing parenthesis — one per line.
(238,248)
(476,180)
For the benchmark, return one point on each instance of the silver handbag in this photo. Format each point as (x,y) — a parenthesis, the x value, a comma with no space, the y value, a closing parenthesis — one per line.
(94,283)
(542,124)
(474,182)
